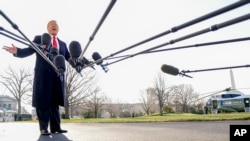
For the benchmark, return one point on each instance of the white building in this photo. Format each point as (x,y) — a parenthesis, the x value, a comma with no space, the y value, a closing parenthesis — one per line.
(8,107)
(8,103)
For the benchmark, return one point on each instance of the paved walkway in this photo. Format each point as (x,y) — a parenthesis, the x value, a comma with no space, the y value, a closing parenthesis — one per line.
(165,131)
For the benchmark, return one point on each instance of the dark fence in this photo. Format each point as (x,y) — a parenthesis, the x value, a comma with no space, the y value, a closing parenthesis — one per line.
(22,117)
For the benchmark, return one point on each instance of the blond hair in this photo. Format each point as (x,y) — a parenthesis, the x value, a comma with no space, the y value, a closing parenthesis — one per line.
(51,22)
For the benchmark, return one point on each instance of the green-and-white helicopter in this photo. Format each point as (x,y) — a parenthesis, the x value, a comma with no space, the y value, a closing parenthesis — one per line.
(228,100)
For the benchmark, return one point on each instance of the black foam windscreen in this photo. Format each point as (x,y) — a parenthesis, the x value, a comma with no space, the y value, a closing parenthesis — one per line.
(170,69)
(59,62)
(46,39)
(54,51)
(75,49)
(96,56)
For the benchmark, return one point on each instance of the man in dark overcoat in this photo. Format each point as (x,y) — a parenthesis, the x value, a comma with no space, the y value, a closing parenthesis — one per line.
(48,88)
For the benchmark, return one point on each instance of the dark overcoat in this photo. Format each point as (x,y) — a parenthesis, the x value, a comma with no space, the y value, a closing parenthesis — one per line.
(48,89)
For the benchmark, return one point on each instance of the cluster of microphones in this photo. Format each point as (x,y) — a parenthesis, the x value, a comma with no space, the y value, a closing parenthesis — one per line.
(52,53)
(79,63)
(75,51)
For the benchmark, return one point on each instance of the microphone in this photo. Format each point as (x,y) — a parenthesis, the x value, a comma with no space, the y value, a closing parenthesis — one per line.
(96,56)
(87,62)
(45,43)
(59,62)
(173,70)
(170,69)
(75,61)
(75,49)
(46,39)
(53,52)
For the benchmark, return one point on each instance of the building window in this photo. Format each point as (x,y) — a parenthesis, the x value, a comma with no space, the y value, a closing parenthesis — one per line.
(9,106)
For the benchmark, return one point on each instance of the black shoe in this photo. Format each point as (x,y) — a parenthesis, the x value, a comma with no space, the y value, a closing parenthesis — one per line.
(45,132)
(59,131)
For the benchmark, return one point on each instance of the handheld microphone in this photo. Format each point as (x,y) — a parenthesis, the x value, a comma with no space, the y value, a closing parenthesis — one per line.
(59,62)
(170,69)
(96,56)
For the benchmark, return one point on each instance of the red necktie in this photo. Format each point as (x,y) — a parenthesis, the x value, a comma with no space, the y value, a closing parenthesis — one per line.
(54,43)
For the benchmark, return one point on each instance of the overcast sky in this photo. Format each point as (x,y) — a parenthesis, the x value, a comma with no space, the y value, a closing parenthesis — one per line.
(129,22)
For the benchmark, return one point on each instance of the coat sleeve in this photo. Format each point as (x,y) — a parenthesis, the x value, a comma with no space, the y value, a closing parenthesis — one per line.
(25,52)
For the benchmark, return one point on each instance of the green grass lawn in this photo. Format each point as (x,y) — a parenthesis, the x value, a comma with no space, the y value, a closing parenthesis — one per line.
(165,118)
(175,117)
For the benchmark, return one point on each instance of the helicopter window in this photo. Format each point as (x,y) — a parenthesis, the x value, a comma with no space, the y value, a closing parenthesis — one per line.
(226,96)
(229,95)
(235,95)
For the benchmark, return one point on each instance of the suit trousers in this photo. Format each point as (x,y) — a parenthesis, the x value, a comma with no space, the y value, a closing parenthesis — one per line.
(49,116)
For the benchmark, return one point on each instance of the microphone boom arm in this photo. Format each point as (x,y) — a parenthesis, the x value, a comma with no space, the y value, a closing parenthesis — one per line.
(190,46)
(213,69)
(200,32)
(184,25)
(6,35)
(98,26)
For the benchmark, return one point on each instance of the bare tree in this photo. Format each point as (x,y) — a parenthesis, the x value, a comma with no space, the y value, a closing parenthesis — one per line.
(162,91)
(96,102)
(184,95)
(78,88)
(148,99)
(18,83)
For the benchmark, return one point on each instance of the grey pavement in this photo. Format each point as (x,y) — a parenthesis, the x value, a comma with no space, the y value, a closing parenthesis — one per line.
(159,131)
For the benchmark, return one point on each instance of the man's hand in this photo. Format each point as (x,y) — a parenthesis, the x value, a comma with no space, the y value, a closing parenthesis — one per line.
(12,49)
